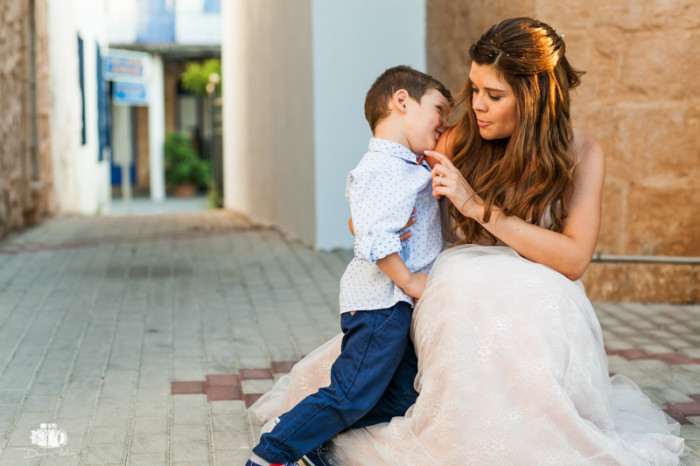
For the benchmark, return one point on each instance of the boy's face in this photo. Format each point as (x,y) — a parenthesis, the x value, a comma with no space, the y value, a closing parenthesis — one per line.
(425,121)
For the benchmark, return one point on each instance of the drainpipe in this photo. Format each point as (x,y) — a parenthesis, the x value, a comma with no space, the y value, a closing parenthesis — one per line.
(645,259)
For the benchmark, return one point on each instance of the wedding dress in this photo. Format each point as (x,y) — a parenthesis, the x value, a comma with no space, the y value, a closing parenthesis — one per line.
(511,371)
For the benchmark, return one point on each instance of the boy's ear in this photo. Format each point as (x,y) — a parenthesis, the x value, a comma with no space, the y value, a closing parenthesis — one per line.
(399,100)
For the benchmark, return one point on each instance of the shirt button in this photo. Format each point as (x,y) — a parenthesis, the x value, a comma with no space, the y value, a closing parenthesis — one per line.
(369,233)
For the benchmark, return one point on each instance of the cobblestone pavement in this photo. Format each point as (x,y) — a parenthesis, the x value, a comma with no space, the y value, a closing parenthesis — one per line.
(141,340)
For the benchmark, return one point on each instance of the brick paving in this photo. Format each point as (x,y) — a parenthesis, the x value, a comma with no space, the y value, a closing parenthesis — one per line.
(141,340)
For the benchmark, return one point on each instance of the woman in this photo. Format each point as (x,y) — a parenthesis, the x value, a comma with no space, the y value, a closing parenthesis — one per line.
(512,368)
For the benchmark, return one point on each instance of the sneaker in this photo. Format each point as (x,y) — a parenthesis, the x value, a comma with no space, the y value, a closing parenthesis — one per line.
(313,458)
(253,463)
(316,457)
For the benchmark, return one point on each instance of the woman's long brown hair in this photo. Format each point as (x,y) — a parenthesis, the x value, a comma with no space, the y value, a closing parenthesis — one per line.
(531,172)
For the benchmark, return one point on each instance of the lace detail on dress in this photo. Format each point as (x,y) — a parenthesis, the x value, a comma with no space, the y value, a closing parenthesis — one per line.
(511,371)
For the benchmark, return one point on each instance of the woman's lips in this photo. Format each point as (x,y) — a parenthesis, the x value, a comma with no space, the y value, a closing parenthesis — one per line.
(482,123)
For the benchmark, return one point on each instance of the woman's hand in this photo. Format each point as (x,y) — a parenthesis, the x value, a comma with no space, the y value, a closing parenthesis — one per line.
(404,236)
(411,221)
(569,252)
(449,182)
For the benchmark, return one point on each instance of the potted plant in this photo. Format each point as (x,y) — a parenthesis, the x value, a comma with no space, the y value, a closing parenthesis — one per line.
(185,172)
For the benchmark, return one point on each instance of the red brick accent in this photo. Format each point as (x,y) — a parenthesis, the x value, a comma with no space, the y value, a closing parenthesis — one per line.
(685,409)
(256,374)
(251,398)
(633,355)
(221,393)
(225,380)
(187,388)
(674,358)
(282,366)
(636,355)
(681,419)
(220,387)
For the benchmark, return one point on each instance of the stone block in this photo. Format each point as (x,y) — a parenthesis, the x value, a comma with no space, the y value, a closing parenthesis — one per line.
(190,452)
(22,204)
(583,15)
(661,14)
(461,24)
(655,141)
(628,16)
(656,226)
(600,56)
(612,232)
(106,454)
(149,443)
(147,459)
(651,66)
(642,282)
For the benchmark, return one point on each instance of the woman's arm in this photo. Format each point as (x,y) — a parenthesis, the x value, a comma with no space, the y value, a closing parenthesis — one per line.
(569,252)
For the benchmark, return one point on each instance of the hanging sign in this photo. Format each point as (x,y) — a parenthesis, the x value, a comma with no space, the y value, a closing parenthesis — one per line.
(125,65)
(128,93)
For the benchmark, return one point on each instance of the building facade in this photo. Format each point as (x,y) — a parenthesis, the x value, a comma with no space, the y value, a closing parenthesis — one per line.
(80,145)
(640,98)
(295,77)
(25,145)
(169,34)
(294,127)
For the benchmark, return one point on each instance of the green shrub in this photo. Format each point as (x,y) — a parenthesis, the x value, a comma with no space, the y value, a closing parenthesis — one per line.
(182,164)
(196,76)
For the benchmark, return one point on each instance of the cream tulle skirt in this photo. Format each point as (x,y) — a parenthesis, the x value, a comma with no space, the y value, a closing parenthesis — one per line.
(511,371)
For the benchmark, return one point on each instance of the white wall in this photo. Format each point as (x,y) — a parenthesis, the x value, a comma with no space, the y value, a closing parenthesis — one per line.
(122,21)
(156,129)
(194,26)
(81,182)
(295,78)
(354,42)
(234,48)
(268,113)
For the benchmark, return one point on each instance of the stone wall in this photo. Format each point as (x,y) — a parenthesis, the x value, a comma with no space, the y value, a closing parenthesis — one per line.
(25,175)
(641,97)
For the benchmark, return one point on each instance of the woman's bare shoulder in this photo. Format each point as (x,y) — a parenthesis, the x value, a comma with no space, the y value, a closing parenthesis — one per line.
(586,148)
(589,162)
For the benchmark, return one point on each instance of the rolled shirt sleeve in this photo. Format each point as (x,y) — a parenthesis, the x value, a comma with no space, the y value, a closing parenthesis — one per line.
(380,203)
(382,191)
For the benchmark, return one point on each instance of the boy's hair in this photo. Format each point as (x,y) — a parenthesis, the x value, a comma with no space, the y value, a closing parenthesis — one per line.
(415,82)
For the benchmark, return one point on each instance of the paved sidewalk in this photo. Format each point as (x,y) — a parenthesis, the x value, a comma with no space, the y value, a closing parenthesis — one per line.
(140,340)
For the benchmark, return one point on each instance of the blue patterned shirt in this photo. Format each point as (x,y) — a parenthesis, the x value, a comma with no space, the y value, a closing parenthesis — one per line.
(382,191)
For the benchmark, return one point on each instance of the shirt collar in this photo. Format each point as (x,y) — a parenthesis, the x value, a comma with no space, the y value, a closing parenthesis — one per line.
(392,148)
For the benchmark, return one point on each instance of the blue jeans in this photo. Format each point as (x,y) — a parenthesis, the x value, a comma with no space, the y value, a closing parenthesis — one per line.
(371,382)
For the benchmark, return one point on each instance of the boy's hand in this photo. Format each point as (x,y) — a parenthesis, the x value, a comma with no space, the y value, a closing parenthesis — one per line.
(416,285)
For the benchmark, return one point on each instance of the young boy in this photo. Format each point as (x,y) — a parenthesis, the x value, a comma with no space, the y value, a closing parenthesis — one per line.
(372,379)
